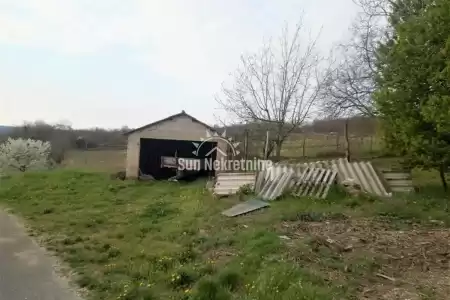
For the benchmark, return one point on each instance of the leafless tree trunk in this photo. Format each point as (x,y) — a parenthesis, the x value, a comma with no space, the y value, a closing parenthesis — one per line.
(278,86)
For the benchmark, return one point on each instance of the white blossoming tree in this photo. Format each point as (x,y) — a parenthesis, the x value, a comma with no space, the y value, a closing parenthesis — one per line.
(24,154)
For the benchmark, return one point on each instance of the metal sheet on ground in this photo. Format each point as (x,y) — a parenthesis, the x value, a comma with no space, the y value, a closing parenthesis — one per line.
(245,207)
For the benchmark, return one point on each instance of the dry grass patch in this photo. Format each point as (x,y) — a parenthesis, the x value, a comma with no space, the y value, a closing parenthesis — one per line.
(411,263)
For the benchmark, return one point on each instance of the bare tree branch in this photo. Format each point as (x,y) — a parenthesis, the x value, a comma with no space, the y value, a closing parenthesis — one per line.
(277,86)
(351,84)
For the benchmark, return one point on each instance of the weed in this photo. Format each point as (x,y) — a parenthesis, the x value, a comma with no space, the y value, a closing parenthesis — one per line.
(48,211)
(209,289)
(187,255)
(158,210)
(288,281)
(113,252)
(140,291)
(86,281)
(246,189)
(230,279)
(207,269)
(164,263)
(183,278)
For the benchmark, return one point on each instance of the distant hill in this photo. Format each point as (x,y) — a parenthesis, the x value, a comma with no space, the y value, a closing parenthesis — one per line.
(5,129)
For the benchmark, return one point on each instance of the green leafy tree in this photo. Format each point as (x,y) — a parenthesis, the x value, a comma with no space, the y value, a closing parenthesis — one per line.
(413,95)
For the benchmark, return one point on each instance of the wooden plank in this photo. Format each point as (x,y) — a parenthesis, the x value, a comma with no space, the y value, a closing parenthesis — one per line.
(301,179)
(305,181)
(281,186)
(311,181)
(305,184)
(316,184)
(395,183)
(396,176)
(402,189)
(278,184)
(293,181)
(330,182)
(323,183)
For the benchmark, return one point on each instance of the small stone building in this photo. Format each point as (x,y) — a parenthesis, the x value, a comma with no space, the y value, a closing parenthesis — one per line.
(179,135)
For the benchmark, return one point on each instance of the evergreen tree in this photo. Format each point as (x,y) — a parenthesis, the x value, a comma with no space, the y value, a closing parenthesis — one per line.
(413,95)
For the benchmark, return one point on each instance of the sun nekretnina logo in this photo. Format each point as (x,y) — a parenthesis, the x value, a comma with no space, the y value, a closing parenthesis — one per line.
(214,137)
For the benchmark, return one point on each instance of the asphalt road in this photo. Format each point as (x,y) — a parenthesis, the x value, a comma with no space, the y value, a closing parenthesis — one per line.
(26,270)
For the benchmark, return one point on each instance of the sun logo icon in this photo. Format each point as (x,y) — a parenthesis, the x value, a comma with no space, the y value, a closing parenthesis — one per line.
(216,137)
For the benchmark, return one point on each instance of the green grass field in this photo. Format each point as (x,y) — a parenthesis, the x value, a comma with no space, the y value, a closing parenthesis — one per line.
(317,145)
(162,240)
(96,160)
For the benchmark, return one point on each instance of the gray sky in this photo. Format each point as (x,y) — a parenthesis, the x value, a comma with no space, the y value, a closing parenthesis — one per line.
(109,63)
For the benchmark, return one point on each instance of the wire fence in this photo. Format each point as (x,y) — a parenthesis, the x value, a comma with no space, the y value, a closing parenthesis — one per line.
(309,145)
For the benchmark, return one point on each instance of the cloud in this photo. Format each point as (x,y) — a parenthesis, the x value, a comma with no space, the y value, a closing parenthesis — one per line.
(195,44)
(175,36)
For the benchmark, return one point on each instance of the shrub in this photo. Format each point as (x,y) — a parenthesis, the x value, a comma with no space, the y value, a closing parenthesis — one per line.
(22,155)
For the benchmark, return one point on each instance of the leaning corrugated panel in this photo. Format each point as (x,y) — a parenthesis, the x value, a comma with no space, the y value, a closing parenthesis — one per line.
(362,173)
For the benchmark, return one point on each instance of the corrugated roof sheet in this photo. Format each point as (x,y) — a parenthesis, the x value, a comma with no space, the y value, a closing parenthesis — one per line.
(245,207)
(230,183)
(314,182)
(275,188)
(260,180)
(362,173)
(311,181)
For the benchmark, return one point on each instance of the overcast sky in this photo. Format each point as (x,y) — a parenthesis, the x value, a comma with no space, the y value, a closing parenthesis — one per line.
(109,63)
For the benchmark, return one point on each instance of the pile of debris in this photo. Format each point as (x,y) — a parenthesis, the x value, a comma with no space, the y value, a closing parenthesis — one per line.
(362,174)
(309,179)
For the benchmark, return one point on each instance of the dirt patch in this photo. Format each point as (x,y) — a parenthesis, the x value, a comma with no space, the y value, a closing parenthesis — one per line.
(406,264)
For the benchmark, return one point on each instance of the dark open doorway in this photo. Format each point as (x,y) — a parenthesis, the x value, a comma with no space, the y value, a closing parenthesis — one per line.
(151,151)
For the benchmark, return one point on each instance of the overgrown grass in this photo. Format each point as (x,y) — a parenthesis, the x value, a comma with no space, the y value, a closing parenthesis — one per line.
(165,240)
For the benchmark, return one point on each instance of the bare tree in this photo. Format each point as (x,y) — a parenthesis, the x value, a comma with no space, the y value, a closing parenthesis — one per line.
(350,85)
(278,86)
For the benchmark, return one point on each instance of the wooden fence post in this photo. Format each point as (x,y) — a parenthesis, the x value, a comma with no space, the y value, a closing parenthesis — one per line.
(304,146)
(246,144)
(266,148)
(347,142)
(337,141)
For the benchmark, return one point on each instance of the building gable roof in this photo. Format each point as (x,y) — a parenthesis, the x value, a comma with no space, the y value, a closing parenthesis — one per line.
(169,118)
